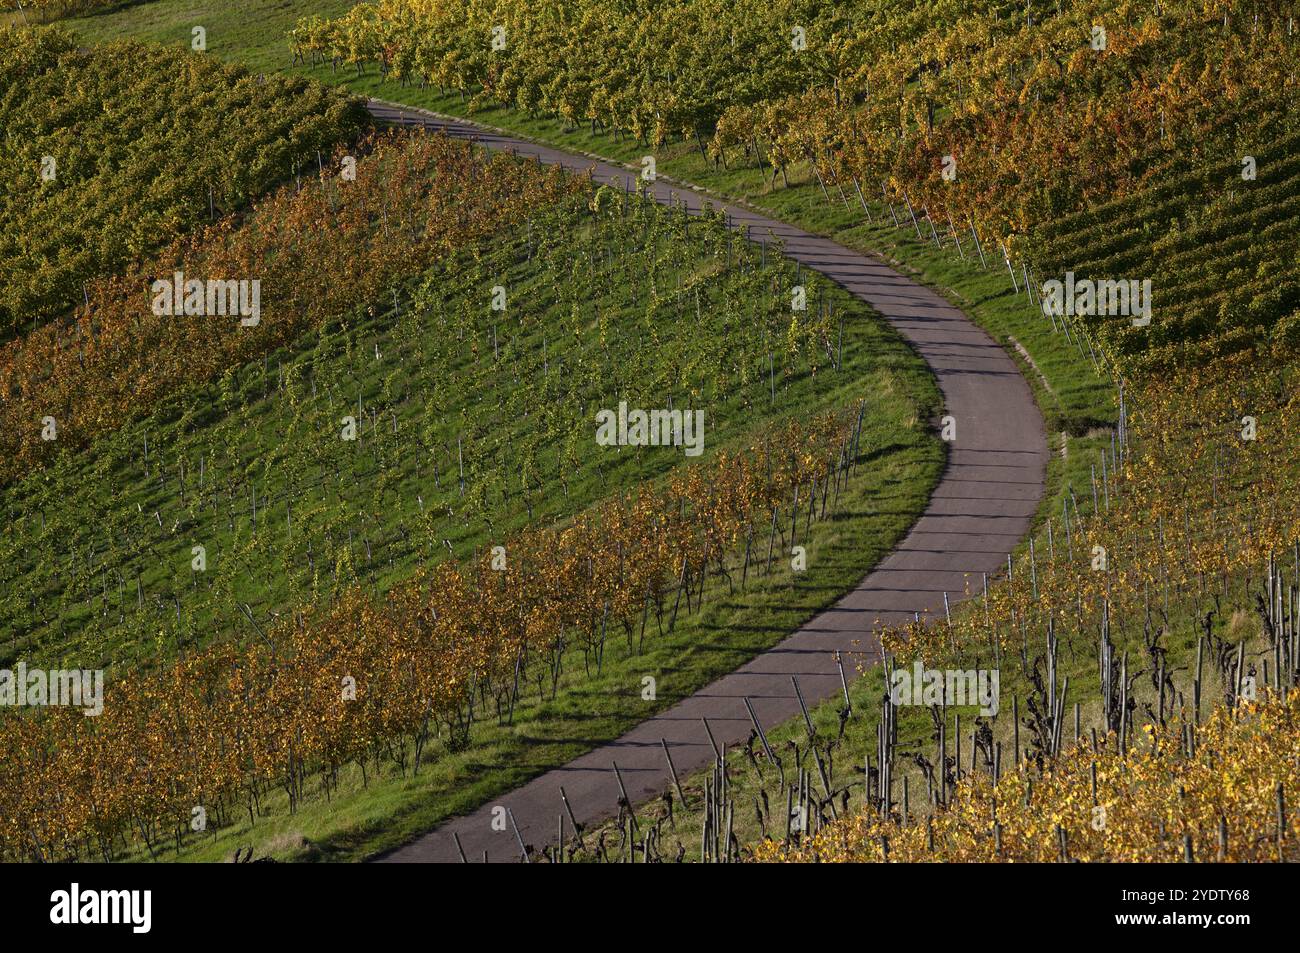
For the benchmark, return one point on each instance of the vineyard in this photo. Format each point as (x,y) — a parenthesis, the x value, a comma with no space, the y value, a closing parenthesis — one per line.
(120,354)
(110,151)
(965,117)
(375,435)
(441,390)
(382,568)
(223,726)
(1223,249)
(1147,643)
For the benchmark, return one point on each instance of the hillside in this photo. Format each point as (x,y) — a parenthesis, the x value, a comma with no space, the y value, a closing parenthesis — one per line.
(395,475)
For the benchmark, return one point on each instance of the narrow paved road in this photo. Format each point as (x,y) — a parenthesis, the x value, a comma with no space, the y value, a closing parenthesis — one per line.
(980,510)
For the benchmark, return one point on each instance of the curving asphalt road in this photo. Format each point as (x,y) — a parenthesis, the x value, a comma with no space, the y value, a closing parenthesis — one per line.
(981,508)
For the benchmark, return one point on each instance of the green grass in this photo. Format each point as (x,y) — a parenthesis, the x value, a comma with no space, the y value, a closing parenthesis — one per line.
(253,32)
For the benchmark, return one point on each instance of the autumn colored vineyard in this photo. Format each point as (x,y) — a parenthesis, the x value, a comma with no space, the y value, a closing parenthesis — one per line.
(420,565)
(112,151)
(1210,792)
(961,118)
(366,680)
(606,299)
(1148,643)
(317,251)
(375,436)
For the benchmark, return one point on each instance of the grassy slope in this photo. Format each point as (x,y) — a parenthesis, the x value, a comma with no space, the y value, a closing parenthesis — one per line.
(381,811)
